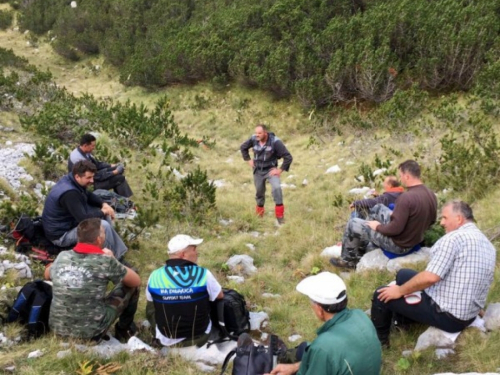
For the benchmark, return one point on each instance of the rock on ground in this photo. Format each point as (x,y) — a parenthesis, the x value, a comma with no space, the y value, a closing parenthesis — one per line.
(241,264)
(492,317)
(376,260)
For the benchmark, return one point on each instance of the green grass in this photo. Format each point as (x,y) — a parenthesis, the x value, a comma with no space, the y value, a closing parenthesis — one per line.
(283,255)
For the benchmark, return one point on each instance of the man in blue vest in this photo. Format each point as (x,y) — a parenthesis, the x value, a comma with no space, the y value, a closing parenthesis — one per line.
(178,296)
(267,149)
(69,203)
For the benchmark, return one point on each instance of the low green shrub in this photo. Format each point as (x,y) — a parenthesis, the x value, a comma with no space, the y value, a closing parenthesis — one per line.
(6,17)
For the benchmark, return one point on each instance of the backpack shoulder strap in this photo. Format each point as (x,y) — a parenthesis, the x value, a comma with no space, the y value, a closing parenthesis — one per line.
(226,360)
(21,300)
(36,308)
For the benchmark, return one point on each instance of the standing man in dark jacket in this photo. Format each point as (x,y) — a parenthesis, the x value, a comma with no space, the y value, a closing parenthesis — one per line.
(69,203)
(267,149)
(395,231)
(107,176)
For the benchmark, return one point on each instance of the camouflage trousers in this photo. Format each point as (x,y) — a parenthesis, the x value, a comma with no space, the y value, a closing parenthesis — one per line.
(358,235)
(120,302)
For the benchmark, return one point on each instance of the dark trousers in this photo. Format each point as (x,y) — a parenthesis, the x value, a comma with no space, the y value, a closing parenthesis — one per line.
(118,183)
(426,312)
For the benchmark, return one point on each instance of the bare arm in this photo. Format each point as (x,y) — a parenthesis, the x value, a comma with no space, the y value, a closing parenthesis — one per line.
(46,274)
(131,279)
(284,369)
(420,281)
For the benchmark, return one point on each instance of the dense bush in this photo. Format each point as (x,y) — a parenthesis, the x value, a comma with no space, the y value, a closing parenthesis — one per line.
(322,51)
(58,118)
(6,18)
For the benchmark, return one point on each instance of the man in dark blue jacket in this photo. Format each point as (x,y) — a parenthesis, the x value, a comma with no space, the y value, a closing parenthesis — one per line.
(267,149)
(69,203)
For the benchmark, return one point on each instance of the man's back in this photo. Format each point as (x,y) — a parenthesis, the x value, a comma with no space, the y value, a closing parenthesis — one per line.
(79,287)
(347,344)
(414,213)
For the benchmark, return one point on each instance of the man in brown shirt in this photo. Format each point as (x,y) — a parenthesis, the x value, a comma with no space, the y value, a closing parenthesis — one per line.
(395,231)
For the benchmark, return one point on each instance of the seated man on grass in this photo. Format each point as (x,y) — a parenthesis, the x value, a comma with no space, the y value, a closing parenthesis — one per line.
(392,190)
(178,296)
(453,288)
(69,203)
(108,176)
(397,231)
(346,342)
(80,307)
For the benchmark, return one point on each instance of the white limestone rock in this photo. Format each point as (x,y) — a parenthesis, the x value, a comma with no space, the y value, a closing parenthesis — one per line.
(378,172)
(492,317)
(288,186)
(434,337)
(134,344)
(359,191)
(305,182)
(443,353)
(236,279)
(219,183)
(36,354)
(373,260)
(251,246)
(242,265)
(332,251)
(258,320)
(334,169)
(423,255)
(294,338)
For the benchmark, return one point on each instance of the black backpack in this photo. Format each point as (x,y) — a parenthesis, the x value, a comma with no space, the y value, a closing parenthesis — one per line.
(120,204)
(252,359)
(32,307)
(230,315)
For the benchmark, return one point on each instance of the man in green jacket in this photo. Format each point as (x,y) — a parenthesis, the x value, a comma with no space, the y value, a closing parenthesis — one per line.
(347,343)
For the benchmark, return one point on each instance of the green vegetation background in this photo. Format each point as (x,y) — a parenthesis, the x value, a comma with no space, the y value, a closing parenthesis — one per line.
(366,85)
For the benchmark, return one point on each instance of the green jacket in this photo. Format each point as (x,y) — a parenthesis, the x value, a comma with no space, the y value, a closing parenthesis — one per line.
(347,344)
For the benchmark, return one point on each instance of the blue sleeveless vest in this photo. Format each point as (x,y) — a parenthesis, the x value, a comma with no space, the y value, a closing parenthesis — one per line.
(180,297)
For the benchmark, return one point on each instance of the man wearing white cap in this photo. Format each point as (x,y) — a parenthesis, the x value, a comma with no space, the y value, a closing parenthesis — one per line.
(347,342)
(178,296)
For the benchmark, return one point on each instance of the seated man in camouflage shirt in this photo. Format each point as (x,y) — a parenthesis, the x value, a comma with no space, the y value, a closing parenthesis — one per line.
(80,307)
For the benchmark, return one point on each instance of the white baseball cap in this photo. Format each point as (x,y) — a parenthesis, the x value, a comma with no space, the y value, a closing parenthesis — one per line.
(182,241)
(326,288)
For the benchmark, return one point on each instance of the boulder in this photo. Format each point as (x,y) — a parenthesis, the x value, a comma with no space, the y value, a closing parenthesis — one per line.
(434,337)
(242,265)
(373,260)
(423,255)
(492,317)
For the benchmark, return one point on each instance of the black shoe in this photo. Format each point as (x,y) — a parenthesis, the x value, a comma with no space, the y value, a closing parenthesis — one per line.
(123,335)
(339,262)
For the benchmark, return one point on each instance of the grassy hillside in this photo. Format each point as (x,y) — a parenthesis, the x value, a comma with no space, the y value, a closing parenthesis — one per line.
(357,138)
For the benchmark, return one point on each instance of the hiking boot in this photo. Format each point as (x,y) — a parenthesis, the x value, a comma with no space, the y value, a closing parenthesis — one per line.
(341,263)
(280,220)
(123,335)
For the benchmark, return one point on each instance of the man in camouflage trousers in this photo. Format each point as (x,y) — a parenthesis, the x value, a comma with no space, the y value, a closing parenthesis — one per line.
(80,307)
(395,231)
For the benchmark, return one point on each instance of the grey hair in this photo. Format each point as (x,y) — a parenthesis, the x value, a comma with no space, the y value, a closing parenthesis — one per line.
(461,208)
